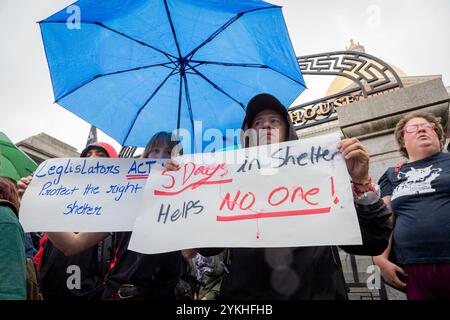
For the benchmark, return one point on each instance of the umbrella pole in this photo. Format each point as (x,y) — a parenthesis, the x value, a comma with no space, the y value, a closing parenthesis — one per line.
(179,102)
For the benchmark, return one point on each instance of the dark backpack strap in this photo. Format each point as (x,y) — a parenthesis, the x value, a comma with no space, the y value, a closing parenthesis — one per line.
(391,175)
(398,166)
(393,171)
(45,259)
(188,286)
(105,255)
(226,262)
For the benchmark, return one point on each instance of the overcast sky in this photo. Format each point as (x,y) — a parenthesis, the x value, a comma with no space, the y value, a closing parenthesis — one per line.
(411,34)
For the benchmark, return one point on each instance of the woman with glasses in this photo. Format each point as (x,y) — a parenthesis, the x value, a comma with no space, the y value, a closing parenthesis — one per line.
(419,195)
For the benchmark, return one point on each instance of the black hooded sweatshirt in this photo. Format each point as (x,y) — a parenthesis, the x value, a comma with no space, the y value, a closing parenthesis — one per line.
(305,273)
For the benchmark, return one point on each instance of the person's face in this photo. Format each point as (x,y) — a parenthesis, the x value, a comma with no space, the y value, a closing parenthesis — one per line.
(270,127)
(163,152)
(421,139)
(96,153)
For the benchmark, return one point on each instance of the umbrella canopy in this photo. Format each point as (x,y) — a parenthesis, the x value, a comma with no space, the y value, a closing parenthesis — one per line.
(135,67)
(14,163)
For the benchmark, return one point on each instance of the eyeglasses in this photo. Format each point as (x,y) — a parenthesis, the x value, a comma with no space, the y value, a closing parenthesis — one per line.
(414,127)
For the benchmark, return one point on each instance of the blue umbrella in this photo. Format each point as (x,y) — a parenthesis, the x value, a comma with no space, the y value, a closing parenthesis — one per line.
(135,67)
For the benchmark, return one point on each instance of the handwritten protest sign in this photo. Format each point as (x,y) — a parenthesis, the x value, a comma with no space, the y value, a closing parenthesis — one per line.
(85,194)
(295,193)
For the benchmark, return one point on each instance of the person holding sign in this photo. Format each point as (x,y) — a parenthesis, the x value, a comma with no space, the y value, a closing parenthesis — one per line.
(142,276)
(132,275)
(300,272)
(417,259)
(56,268)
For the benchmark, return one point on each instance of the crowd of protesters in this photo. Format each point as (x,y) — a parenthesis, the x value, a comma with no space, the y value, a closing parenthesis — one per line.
(412,199)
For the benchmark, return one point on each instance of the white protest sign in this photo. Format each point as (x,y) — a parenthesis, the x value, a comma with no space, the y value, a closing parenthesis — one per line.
(85,194)
(296,193)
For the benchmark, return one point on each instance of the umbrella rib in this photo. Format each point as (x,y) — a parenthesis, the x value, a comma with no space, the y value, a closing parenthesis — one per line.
(112,73)
(119,33)
(171,68)
(135,69)
(173,62)
(287,76)
(222,28)
(232,64)
(217,87)
(189,67)
(173,28)
(146,102)
(7,144)
(179,103)
(215,34)
(247,65)
(188,101)
(138,41)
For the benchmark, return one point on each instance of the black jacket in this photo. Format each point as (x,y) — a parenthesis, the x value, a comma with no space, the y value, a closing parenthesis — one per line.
(308,273)
(303,272)
(54,273)
(155,275)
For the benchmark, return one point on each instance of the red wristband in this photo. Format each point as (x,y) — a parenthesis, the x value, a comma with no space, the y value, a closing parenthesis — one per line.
(363,184)
(371,187)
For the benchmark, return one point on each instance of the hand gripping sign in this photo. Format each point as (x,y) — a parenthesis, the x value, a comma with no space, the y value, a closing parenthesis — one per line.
(296,193)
